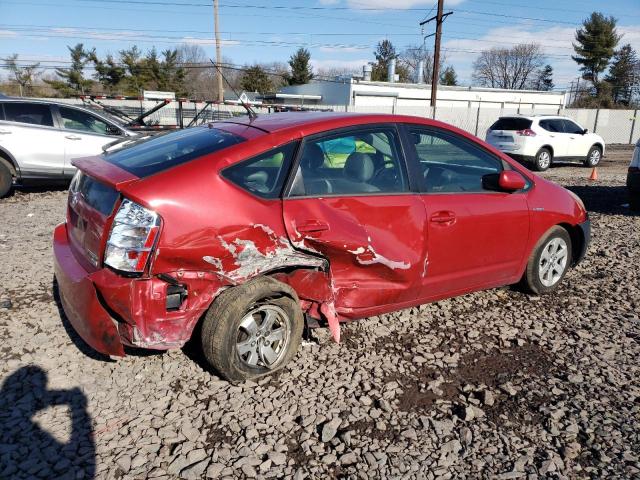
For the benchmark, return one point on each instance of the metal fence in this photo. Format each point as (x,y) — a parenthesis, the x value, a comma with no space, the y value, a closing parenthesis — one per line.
(615,126)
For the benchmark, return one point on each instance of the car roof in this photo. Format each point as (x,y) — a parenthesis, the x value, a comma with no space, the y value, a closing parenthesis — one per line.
(281,121)
(536,117)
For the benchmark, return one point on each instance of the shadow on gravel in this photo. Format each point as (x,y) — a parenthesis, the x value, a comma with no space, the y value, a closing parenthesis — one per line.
(604,199)
(29,451)
(73,335)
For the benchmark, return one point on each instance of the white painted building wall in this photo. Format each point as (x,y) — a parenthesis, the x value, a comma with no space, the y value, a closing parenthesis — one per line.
(359,93)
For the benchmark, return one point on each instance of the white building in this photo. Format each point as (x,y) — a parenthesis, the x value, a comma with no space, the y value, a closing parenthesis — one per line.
(397,97)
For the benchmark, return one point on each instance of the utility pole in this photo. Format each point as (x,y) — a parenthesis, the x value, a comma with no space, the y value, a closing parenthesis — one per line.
(439,18)
(218,52)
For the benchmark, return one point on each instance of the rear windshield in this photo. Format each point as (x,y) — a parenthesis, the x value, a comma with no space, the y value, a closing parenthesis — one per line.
(511,123)
(166,151)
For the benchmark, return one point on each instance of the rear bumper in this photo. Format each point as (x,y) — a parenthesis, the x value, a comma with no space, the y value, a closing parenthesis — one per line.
(585,227)
(109,311)
(80,300)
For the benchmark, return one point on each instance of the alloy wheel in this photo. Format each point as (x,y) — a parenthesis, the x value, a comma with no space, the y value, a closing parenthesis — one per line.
(263,336)
(553,262)
(544,160)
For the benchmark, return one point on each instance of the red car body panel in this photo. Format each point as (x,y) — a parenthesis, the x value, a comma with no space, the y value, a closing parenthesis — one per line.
(347,257)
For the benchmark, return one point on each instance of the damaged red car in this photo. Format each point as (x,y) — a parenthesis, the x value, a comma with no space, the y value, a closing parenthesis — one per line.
(250,227)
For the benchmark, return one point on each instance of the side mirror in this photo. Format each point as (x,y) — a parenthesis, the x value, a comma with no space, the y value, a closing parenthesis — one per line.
(585,131)
(511,181)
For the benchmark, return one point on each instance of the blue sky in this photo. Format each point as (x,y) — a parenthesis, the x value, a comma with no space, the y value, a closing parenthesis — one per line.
(340,33)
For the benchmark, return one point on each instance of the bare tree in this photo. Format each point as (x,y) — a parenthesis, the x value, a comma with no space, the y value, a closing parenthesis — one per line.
(512,68)
(329,73)
(23,75)
(413,55)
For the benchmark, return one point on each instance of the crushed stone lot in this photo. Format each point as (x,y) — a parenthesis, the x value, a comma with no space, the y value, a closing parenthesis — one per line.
(495,384)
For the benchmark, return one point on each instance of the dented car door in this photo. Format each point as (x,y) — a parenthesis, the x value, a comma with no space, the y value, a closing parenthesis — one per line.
(350,202)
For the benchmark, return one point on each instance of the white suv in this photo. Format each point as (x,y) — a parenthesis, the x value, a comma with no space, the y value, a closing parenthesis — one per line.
(543,139)
(38,139)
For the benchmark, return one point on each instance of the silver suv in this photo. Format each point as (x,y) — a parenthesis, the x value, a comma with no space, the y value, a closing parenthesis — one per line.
(38,139)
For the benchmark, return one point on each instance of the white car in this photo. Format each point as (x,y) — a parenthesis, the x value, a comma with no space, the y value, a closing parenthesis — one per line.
(38,139)
(541,140)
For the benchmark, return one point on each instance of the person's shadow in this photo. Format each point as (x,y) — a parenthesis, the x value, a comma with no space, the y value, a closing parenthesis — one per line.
(27,450)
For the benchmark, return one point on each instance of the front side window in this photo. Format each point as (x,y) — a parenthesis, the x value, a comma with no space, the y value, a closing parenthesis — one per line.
(367,161)
(265,174)
(80,121)
(168,150)
(30,113)
(450,164)
(571,127)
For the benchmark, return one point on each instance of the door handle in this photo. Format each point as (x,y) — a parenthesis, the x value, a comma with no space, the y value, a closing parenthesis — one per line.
(447,218)
(313,226)
(73,137)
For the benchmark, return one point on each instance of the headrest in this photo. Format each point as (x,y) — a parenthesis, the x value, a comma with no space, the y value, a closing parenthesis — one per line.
(359,167)
(312,157)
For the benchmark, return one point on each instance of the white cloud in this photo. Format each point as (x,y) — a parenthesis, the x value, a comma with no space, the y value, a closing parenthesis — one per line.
(339,64)
(7,34)
(396,4)
(556,43)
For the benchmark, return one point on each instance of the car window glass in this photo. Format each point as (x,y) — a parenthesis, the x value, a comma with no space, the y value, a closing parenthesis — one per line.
(366,161)
(78,120)
(571,127)
(552,126)
(511,123)
(31,113)
(449,163)
(265,174)
(168,150)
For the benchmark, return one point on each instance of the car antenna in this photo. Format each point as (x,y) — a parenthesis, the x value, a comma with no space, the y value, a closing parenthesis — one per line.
(250,111)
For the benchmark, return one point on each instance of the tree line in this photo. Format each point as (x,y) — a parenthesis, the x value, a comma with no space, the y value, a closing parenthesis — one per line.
(187,71)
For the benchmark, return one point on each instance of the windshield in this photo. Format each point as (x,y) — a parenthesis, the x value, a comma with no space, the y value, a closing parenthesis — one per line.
(511,123)
(161,152)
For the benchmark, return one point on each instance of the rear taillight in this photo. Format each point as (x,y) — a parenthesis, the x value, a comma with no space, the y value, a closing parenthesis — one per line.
(132,237)
(527,132)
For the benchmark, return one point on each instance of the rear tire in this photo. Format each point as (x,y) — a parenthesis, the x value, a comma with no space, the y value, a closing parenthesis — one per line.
(593,157)
(6,180)
(542,160)
(549,262)
(252,330)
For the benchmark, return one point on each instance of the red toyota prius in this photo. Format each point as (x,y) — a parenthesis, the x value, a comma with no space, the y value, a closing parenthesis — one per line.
(254,226)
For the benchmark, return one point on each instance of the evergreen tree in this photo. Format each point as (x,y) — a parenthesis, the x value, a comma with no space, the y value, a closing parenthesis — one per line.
(300,69)
(449,77)
(73,81)
(544,82)
(108,72)
(595,45)
(385,52)
(255,79)
(624,74)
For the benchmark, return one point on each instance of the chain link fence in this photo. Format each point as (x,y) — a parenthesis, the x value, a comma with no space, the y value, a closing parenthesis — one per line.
(615,126)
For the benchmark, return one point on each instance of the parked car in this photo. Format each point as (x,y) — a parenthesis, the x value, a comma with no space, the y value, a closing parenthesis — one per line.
(38,139)
(540,140)
(633,179)
(254,226)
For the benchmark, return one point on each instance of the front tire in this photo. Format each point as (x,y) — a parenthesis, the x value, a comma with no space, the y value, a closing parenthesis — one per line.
(549,262)
(593,157)
(542,160)
(6,180)
(252,330)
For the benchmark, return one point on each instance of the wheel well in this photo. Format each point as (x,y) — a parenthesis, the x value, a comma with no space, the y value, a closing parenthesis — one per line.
(548,147)
(577,240)
(599,145)
(9,162)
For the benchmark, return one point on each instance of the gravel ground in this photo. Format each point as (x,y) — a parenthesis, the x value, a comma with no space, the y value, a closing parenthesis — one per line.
(495,384)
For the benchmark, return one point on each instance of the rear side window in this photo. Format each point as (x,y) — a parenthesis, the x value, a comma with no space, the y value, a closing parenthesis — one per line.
(73,119)
(265,174)
(552,125)
(165,151)
(511,123)
(30,113)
